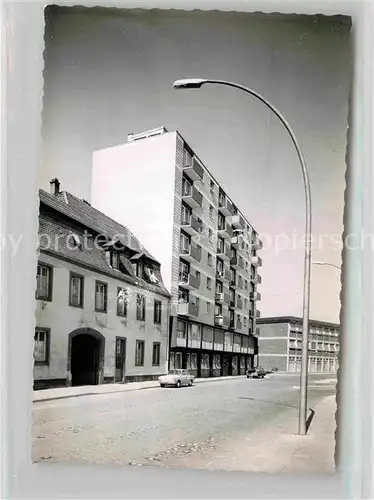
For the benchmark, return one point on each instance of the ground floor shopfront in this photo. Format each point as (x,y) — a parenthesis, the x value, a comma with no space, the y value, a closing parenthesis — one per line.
(211,352)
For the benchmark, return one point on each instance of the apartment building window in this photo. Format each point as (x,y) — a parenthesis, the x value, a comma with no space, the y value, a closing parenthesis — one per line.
(220,245)
(246,266)
(210,236)
(233,276)
(181,332)
(232,319)
(219,287)
(140,307)
(218,310)
(211,211)
(139,353)
(240,282)
(210,260)
(220,266)
(212,186)
(44,282)
(184,271)
(101,296)
(245,321)
(186,215)
(157,312)
(76,290)
(208,307)
(41,346)
(221,200)
(121,302)
(246,303)
(186,187)
(187,158)
(209,283)
(221,221)
(184,243)
(156,354)
(232,297)
(183,296)
(245,284)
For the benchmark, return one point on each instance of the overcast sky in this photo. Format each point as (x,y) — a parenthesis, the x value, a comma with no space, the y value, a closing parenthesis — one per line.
(110,72)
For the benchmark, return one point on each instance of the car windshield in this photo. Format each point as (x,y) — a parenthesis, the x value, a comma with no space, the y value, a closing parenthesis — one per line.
(174,372)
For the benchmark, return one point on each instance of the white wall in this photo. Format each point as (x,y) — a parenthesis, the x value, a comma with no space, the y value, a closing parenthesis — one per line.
(63,319)
(134,184)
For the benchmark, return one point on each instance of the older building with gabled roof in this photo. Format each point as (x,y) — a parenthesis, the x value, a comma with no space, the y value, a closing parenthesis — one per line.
(102,312)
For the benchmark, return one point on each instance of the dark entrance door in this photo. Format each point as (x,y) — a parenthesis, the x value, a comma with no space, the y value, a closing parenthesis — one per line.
(226,366)
(120,359)
(85,356)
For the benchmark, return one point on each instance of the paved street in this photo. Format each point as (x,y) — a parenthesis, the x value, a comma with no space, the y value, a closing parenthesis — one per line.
(167,426)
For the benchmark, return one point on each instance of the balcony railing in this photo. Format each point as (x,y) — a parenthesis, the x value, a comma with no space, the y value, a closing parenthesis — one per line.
(256,243)
(194,170)
(188,309)
(192,197)
(225,230)
(256,261)
(225,206)
(220,274)
(237,221)
(255,296)
(237,262)
(188,280)
(192,226)
(192,253)
(221,320)
(219,297)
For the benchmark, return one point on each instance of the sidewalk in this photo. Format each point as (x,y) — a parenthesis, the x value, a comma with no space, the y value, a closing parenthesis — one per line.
(90,390)
(276,447)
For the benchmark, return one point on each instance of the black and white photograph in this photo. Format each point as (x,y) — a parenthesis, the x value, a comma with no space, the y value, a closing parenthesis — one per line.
(190,236)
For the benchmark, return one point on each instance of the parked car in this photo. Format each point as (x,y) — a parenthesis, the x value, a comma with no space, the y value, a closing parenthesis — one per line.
(257,372)
(176,378)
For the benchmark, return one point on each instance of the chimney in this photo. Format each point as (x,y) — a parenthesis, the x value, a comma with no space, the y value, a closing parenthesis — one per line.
(54,186)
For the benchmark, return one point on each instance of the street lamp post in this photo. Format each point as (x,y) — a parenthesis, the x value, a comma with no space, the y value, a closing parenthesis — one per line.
(196,83)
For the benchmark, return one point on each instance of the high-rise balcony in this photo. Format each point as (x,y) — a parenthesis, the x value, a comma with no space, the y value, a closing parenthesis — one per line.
(224,252)
(226,298)
(256,261)
(225,206)
(255,296)
(236,241)
(219,297)
(258,279)
(189,281)
(256,243)
(233,283)
(192,197)
(237,221)
(188,309)
(232,303)
(192,253)
(227,275)
(225,230)
(221,320)
(192,226)
(252,313)
(194,170)
(237,262)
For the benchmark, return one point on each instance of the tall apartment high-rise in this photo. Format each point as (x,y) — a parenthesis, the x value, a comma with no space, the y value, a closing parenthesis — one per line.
(156,185)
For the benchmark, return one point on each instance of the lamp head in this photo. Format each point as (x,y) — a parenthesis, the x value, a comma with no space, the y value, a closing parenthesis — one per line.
(189,83)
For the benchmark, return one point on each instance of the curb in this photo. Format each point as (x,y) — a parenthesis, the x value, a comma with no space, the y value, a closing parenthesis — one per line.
(210,379)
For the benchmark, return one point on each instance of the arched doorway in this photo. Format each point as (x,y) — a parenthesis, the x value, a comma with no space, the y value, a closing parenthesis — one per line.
(85,357)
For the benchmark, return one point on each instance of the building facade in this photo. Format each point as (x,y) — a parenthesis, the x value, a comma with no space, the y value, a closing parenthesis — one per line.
(207,248)
(280,342)
(102,310)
